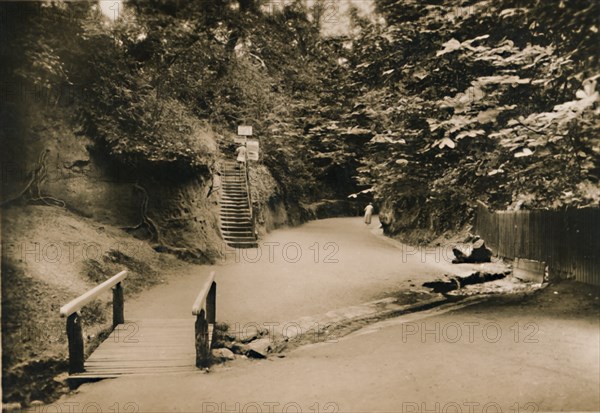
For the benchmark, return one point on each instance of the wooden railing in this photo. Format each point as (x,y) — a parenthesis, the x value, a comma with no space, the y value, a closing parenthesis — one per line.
(74,329)
(249,197)
(205,310)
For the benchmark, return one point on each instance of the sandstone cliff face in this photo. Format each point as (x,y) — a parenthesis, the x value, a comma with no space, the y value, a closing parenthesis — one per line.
(417,220)
(175,211)
(267,201)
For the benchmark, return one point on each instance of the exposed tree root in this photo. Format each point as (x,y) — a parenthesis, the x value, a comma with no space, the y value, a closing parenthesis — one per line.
(32,192)
(146,221)
(159,244)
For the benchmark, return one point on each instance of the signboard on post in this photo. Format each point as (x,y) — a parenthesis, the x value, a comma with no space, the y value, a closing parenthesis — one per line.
(244,130)
(252,150)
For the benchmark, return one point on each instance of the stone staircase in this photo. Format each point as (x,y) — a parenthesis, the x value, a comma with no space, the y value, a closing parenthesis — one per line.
(237,226)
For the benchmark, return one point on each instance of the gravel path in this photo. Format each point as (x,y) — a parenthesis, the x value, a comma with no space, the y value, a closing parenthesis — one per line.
(296,272)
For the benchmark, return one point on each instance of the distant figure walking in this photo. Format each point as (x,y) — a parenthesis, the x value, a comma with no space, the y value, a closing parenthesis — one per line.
(241,156)
(368,213)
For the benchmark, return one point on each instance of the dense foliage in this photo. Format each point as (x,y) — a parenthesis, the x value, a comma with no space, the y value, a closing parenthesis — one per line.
(146,84)
(479,100)
(432,104)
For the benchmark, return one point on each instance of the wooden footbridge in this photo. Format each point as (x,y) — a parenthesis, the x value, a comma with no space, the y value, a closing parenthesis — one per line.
(147,346)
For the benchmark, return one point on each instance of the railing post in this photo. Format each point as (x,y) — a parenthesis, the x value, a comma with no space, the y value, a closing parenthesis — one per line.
(118,305)
(202,350)
(249,197)
(75,337)
(211,304)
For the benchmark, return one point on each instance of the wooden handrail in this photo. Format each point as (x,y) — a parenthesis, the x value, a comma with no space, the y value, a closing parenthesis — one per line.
(249,198)
(248,193)
(199,303)
(76,305)
(74,322)
(205,310)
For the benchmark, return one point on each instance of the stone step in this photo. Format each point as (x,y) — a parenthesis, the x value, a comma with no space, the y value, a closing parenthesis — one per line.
(247,226)
(242,245)
(240,239)
(247,230)
(234,235)
(236,225)
(236,220)
(242,229)
(225,223)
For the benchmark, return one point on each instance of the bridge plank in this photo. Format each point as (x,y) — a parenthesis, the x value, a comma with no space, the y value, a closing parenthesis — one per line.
(152,346)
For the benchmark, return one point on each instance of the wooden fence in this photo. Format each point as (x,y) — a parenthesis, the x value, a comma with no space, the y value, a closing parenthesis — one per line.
(568,240)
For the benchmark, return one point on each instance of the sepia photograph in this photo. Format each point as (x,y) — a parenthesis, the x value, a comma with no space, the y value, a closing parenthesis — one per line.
(300,206)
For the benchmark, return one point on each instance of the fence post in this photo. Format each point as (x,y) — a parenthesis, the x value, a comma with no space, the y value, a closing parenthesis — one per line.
(211,304)
(202,350)
(75,337)
(118,305)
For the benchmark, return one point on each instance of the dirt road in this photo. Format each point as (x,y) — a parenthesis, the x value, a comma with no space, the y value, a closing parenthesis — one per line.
(320,266)
(502,356)
(516,356)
